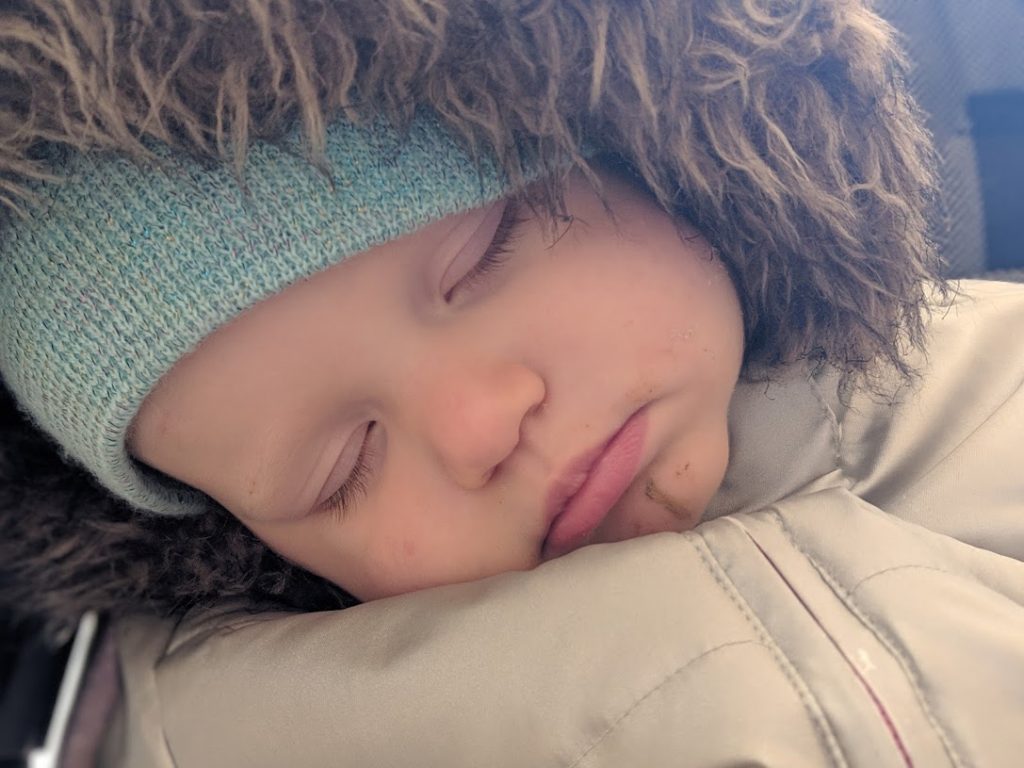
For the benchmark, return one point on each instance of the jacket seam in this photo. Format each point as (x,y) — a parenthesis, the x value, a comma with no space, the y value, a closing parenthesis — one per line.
(835,427)
(811,705)
(906,567)
(980,578)
(889,642)
(806,698)
(654,689)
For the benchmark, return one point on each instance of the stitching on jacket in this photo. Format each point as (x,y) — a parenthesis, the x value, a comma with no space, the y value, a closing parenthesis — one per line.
(636,704)
(803,692)
(810,704)
(889,642)
(981,578)
(905,567)
(836,428)
(807,699)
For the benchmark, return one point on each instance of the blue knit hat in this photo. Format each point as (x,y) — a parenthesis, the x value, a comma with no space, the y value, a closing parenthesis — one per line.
(123,270)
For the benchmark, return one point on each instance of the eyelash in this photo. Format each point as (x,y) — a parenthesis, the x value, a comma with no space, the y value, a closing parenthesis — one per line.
(355,485)
(494,256)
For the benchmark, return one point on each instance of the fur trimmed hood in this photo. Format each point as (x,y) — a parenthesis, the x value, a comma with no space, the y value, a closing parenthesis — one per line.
(781,128)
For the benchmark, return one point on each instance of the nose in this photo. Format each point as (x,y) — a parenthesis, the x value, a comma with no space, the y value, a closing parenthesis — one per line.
(473,416)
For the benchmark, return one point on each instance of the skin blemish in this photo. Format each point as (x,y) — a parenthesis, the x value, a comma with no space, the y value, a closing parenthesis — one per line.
(655,494)
(641,393)
(678,335)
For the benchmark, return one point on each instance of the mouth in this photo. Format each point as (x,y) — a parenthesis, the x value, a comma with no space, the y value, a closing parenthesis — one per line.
(583,495)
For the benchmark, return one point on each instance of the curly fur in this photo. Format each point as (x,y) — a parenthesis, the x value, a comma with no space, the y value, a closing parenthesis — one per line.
(781,128)
(67,545)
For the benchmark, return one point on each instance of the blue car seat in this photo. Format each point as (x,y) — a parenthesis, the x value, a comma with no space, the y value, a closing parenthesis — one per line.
(968,75)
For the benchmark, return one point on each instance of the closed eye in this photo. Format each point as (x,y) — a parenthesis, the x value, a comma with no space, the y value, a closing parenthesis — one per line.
(356,484)
(494,256)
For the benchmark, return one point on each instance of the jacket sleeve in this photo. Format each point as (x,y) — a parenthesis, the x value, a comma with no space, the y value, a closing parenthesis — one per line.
(819,632)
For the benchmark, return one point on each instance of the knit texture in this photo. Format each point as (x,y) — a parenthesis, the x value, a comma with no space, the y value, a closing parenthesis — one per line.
(122,270)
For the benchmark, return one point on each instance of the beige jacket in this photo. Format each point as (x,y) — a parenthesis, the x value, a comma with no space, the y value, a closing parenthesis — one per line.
(862,604)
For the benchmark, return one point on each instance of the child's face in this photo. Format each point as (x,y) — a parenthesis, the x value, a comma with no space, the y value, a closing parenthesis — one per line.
(484,420)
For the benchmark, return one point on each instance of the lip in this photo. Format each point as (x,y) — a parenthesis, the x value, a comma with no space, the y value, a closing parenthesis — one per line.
(584,493)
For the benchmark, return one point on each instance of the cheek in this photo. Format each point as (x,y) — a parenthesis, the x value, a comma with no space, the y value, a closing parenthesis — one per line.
(701,468)
(310,542)
(390,553)
(363,552)
(691,353)
(388,565)
(412,537)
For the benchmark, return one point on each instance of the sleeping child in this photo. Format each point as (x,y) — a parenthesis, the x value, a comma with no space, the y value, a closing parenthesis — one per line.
(434,334)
